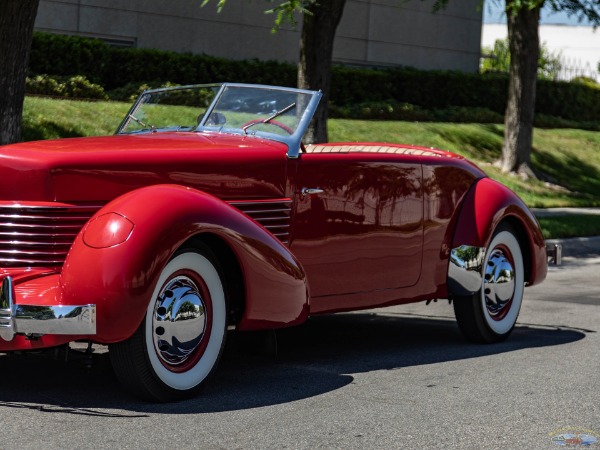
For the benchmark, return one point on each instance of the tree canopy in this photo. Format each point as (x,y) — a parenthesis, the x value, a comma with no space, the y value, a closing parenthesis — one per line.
(497,59)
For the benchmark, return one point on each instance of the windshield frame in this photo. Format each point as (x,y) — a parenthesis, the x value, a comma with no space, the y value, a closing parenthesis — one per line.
(293,141)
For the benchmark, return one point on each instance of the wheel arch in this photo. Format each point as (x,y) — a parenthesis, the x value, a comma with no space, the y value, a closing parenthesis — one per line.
(487,205)
(229,264)
(269,284)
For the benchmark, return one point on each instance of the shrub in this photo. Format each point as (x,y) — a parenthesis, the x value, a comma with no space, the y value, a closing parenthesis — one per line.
(44,85)
(391,110)
(80,87)
(72,87)
(570,101)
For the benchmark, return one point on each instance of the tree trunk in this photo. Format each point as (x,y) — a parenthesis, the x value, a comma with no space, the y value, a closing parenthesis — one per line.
(524,43)
(316,52)
(16,31)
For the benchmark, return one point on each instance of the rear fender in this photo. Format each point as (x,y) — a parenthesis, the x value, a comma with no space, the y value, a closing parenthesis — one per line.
(487,204)
(120,277)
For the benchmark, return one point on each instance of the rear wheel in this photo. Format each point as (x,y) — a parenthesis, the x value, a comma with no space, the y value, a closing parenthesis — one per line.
(490,314)
(179,342)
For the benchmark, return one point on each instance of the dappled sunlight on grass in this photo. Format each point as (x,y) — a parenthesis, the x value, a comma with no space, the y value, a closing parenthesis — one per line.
(475,141)
(570,156)
(482,142)
(540,194)
(45,118)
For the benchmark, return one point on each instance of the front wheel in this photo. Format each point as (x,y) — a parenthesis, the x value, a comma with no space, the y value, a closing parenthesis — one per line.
(180,340)
(490,314)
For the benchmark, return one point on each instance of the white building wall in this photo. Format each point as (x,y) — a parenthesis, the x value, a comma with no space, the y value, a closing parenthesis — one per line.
(579,46)
(371,33)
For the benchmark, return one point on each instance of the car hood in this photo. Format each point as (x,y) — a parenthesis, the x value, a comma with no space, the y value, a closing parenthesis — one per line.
(97,169)
(116,145)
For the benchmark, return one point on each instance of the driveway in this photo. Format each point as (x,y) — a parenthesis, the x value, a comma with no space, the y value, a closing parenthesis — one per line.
(400,377)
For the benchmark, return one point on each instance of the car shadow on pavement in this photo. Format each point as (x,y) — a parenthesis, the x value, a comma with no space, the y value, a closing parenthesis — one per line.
(311,360)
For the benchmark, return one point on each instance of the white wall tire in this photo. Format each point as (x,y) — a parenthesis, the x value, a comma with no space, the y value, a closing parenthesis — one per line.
(180,341)
(491,313)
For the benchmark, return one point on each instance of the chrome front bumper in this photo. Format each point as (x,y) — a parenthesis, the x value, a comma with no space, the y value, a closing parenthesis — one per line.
(36,320)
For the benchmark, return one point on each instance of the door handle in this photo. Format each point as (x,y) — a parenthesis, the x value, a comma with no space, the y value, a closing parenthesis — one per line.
(309,191)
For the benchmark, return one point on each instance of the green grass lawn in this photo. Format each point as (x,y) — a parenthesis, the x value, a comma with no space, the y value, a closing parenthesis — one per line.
(568,158)
(45,118)
(570,226)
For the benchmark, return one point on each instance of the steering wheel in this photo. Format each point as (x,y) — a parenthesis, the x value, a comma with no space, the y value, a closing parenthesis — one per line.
(283,126)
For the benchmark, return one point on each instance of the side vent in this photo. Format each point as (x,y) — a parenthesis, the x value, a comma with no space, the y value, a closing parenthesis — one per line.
(274,215)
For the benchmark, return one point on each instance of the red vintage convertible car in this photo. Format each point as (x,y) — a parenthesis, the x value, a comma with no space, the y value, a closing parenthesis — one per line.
(206,212)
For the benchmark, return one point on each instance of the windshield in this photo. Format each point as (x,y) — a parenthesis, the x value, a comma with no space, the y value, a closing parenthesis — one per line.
(171,109)
(251,109)
(267,111)
(277,113)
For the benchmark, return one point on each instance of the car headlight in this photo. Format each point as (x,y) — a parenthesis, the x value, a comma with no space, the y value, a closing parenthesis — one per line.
(107,230)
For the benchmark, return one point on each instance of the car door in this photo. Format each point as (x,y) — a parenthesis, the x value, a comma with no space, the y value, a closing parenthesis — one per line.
(361,228)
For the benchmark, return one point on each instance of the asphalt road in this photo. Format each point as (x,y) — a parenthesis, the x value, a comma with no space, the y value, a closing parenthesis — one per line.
(400,377)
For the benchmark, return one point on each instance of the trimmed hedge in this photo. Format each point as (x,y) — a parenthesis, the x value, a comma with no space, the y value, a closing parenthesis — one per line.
(114,67)
(123,71)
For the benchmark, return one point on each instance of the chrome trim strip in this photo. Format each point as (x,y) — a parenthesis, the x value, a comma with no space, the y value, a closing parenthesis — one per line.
(310,191)
(286,217)
(41,319)
(260,202)
(263,211)
(465,270)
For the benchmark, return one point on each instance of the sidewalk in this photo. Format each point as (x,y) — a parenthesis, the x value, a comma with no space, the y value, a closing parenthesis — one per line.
(549,212)
(582,247)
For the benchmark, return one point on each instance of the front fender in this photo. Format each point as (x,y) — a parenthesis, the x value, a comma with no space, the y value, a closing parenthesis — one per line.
(120,278)
(487,204)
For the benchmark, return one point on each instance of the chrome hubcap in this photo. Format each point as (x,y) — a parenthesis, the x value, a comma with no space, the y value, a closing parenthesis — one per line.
(179,321)
(498,284)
